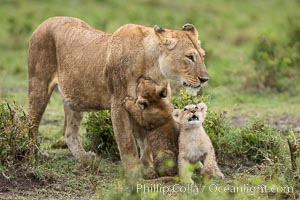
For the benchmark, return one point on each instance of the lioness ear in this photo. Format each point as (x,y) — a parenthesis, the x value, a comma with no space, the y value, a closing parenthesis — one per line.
(176,115)
(142,103)
(167,42)
(158,29)
(190,28)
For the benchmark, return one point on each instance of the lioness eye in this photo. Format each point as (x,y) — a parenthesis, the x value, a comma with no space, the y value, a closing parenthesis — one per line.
(190,57)
(185,109)
(196,108)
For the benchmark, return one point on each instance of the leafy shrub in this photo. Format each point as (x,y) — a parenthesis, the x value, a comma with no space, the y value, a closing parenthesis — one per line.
(100,136)
(184,99)
(253,144)
(277,62)
(261,142)
(16,143)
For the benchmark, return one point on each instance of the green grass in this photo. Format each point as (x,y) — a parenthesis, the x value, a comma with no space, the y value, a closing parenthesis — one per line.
(228,31)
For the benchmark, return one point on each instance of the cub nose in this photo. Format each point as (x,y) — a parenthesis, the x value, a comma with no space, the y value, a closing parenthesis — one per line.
(193,111)
(203,79)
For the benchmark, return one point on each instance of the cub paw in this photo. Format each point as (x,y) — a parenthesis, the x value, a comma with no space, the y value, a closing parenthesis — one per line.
(128,101)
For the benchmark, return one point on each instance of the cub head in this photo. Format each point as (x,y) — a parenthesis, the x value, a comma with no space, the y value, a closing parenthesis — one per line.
(191,116)
(181,57)
(155,102)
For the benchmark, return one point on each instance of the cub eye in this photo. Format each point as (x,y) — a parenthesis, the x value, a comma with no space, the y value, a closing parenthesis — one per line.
(185,109)
(196,108)
(190,57)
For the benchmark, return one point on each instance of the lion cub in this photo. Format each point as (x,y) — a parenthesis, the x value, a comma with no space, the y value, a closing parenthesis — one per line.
(157,131)
(194,144)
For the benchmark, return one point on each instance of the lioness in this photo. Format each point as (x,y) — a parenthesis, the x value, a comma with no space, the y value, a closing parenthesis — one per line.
(152,110)
(194,144)
(95,70)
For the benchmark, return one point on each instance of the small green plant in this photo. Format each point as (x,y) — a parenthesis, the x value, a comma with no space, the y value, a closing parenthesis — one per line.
(16,144)
(100,136)
(15,134)
(262,143)
(183,99)
(254,144)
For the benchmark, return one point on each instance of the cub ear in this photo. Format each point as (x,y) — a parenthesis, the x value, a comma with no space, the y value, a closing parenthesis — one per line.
(203,108)
(162,91)
(176,115)
(142,103)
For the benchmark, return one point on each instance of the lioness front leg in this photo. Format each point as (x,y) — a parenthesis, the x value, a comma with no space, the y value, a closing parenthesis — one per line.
(124,138)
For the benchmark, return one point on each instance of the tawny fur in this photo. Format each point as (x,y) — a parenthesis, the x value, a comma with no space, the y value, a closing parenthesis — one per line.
(194,144)
(95,70)
(152,110)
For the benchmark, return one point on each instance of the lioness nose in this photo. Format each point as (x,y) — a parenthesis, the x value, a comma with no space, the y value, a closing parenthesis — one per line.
(193,111)
(203,79)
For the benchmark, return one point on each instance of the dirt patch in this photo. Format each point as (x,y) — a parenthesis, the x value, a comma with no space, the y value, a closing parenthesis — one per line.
(283,123)
(22,184)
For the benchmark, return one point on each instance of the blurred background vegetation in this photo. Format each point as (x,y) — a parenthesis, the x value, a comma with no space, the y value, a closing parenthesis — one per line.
(252,47)
(253,58)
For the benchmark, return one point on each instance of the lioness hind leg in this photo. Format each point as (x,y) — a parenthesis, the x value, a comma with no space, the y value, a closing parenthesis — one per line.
(42,67)
(72,125)
(39,95)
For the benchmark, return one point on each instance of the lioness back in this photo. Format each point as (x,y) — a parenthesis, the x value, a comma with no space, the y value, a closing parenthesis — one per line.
(73,59)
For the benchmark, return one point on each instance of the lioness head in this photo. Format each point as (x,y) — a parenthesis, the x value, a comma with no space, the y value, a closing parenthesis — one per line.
(191,116)
(154,101)
(181,57)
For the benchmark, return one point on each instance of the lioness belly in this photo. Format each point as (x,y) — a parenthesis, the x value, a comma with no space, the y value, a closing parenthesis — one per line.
(82,87)
(89,99)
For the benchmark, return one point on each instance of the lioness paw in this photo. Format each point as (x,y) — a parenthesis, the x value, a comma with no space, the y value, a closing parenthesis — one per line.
(90,155)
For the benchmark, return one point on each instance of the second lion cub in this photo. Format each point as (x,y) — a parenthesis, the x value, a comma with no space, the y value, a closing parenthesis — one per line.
(157,131)
(194,144)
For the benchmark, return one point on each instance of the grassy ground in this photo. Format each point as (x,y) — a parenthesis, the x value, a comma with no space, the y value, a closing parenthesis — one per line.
(227,29)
